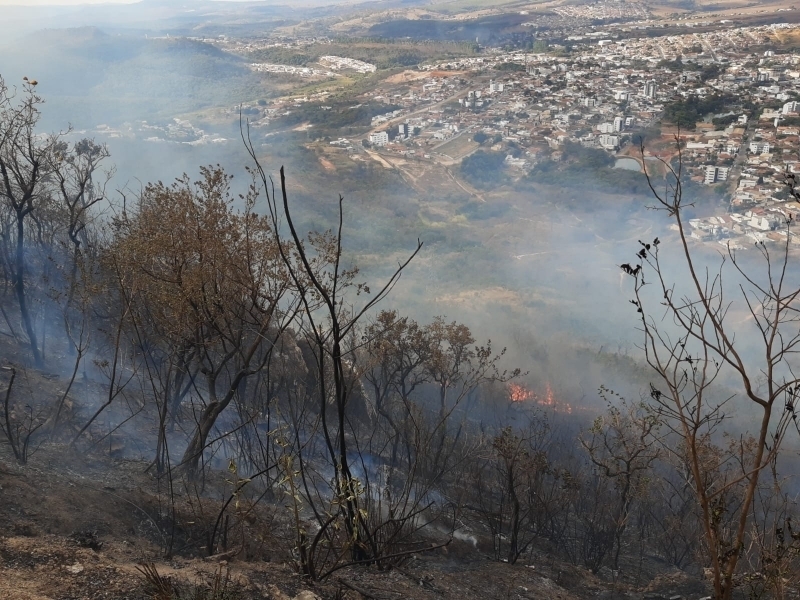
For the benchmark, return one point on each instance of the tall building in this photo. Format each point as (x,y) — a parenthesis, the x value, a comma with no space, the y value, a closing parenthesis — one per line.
(619,124)
(402,130)
(379,139)
(495,87)
(609,142)
(470,100)
(715,174)
(650,89)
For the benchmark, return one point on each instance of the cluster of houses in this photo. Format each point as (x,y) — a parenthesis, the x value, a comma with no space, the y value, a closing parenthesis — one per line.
(338,63)
(291,70)
(605,95)
(607,92)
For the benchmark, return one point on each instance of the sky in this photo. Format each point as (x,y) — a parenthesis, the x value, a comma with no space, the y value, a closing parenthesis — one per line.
(61,2)
(75,2)
(71,2)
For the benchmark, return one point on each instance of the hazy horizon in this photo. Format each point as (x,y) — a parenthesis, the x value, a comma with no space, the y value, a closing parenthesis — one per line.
(27,3)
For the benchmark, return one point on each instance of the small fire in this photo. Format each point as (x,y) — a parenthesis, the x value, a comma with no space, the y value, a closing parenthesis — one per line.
(549,398)
(519,393)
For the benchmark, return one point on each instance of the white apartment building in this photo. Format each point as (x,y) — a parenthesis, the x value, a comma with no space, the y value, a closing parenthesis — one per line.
(495,87)
(609,142)
(379,139)
(759,147)
(715,174)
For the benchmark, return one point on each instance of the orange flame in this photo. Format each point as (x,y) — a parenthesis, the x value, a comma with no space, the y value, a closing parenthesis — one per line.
(519,393)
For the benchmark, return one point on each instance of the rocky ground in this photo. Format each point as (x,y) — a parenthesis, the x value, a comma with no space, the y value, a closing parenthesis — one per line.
(85,527)
(89,525)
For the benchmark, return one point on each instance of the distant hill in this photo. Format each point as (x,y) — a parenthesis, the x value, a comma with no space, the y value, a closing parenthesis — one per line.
(485,28)
(89,76)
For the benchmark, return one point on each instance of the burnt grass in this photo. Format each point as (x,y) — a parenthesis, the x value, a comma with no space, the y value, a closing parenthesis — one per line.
(78,523)
(77,526)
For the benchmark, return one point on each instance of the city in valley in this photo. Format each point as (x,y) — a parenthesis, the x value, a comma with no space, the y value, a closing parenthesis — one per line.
(713,91)
(611,91)
(399,299)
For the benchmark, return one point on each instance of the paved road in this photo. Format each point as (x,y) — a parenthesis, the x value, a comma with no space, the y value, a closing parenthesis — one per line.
(739,161)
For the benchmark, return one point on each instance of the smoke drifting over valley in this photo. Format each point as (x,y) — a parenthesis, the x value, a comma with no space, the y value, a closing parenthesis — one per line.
(165,106)
(453,299)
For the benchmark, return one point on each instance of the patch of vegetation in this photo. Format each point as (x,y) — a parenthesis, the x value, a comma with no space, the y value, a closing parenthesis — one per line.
(484,169)
(479,211)
(704,72)
(588,168)
(605,179)
(540,46)
(646,135)
(487,29)
(220,587)
(510,66)
(686,112)
(725,120)
(339,115)
(711,71)
(384,54)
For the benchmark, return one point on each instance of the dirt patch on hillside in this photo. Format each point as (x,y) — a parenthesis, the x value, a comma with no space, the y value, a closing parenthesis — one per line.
(78,527)
(407,76)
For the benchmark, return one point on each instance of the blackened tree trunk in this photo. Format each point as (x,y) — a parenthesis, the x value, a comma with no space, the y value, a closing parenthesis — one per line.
(19,287)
